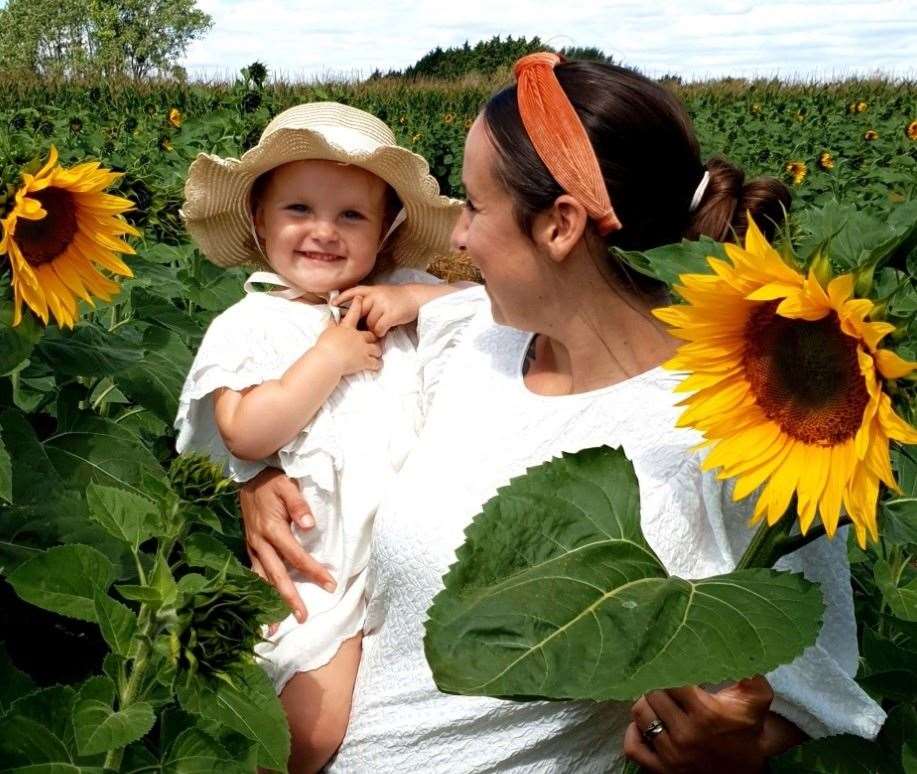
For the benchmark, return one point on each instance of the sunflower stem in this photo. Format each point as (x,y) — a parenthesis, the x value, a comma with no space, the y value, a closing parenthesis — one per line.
(769,544)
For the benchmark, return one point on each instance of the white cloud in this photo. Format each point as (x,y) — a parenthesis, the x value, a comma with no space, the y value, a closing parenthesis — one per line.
(693,38)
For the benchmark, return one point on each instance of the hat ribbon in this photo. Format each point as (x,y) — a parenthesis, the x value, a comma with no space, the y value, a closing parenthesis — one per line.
(290,292)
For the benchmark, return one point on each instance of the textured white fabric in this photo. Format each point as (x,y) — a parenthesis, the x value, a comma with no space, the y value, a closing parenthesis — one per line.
(342,460)
(482,427)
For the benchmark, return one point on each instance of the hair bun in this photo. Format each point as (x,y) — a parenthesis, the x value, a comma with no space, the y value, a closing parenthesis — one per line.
(723,211)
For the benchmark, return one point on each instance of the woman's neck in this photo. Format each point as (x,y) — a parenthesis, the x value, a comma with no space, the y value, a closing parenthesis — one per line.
(608,339)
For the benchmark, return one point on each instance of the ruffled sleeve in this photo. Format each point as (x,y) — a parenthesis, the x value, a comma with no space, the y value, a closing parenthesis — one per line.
(439,328)
(817,691)
(244,346)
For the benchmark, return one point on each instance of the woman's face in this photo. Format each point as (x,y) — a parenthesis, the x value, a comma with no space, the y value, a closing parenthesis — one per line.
(321,223)
(516,277)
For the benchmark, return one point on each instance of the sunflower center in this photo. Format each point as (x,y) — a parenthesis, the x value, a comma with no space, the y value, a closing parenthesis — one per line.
(43,240)
(805,375)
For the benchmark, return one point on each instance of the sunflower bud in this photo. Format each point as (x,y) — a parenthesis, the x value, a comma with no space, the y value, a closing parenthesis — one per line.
(217,624)
(821,268)
(198,480)
(863,279)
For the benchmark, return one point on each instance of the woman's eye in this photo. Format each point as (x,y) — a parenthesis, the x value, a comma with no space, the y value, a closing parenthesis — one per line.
(469,206)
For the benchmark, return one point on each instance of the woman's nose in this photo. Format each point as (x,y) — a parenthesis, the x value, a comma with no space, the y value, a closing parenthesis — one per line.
(459,234)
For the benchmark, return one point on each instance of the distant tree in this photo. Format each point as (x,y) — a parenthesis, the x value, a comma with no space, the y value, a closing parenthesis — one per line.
(484,57)
(487,56)
(110,37)
(590,53)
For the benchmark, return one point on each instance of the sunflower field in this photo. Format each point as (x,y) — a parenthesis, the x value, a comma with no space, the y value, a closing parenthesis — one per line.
(128,613)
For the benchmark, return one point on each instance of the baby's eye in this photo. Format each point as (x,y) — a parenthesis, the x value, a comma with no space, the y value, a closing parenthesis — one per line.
(298,207)
(353,215)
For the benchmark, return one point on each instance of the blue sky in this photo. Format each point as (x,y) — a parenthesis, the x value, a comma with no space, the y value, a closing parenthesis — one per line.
(697,39)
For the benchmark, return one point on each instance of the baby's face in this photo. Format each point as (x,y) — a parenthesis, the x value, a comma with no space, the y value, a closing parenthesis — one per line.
(321,223)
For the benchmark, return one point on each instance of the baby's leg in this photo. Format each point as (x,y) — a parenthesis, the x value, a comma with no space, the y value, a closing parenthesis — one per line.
(317,704)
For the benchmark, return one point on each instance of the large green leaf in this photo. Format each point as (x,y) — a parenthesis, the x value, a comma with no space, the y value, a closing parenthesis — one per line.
(117,622)
(248,706)
(50,708)
(98,727)
(556,594)
(98,450)
(156,381)
(668,262)
(87,350)
(194,752)
(124,514)
(16,344)
(64,580)
(901,599)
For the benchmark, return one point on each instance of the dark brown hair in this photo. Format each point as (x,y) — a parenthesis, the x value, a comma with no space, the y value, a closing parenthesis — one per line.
(650,160)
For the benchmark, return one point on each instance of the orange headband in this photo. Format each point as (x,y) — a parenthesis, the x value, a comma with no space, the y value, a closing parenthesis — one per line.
(560,138)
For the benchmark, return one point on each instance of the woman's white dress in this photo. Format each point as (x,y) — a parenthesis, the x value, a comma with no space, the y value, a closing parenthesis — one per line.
(342,460)
(482,426)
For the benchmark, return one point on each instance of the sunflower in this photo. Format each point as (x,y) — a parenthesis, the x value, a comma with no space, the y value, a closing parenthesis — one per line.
(785,385)
(870,135)
(61,225)
(861,106)
(911,130)
(797,170)
(826,160)
(175,117)
(448,118)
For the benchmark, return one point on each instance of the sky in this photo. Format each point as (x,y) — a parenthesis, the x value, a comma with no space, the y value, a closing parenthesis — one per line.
(696,39)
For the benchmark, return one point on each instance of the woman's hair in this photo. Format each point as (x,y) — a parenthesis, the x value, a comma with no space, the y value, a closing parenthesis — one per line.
(649,158)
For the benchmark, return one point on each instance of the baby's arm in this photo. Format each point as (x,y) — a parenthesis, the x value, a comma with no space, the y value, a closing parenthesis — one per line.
(386,306)
(256,422)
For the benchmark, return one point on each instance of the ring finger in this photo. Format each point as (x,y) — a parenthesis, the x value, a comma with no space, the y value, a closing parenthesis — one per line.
(644,716)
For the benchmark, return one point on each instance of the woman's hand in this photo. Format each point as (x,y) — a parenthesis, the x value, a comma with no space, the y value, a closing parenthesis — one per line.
(348,349)
(713,733)
(270,501)
(384,306)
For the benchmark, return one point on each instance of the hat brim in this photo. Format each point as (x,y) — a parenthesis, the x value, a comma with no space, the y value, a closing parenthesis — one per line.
(217,191)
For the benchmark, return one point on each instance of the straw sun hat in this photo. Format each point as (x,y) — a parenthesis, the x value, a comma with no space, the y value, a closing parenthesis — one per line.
(217,208)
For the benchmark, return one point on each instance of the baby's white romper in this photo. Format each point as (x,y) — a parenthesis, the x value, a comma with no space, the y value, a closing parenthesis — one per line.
(342,460)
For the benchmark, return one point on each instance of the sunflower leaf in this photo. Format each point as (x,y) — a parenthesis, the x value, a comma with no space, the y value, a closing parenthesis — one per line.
(16,344)
(64,580)
(246,703)
(556,594)
(156,381)
(87,350)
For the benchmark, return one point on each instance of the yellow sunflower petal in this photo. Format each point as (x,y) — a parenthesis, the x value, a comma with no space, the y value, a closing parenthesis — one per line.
(891,366)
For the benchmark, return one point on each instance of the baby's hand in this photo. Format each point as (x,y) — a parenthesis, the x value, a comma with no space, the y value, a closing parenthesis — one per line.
(347,348)
(385,306)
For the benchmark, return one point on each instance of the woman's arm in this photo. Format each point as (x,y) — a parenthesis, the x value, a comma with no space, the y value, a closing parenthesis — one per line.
(256,422)
(386,306)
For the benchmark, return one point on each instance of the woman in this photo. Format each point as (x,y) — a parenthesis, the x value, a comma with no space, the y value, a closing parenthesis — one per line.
(559,352)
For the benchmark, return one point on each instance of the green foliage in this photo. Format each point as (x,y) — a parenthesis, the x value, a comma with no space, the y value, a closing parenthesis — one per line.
(555,571)
(102,524)
(91,37)
(486,56)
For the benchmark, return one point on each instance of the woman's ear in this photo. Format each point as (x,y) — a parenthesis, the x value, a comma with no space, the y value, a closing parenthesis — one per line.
(559,229)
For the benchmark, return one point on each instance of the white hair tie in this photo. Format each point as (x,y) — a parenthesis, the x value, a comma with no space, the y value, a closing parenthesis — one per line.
(699,191)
